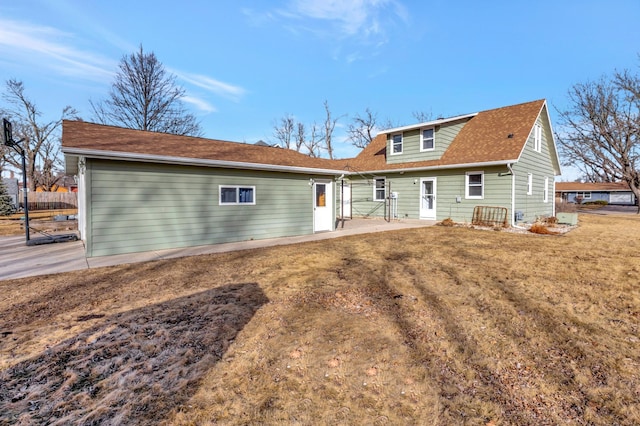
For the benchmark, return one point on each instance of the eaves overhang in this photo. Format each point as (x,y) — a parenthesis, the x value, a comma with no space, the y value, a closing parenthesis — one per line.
(185,161)
(427,124)
(439,167)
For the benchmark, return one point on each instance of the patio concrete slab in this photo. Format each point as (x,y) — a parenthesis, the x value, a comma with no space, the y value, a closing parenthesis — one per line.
(18,260)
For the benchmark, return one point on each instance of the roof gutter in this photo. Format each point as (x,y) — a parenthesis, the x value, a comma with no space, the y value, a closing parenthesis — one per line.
(441,167)
(147,158)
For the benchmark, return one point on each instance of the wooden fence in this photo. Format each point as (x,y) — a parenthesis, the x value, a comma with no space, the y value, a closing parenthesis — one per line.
(51,200)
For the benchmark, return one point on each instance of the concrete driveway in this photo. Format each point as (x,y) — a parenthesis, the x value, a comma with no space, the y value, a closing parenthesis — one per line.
(17,260)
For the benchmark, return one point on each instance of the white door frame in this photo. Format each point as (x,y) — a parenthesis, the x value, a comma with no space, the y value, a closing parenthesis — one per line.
(322,214)
(428,213)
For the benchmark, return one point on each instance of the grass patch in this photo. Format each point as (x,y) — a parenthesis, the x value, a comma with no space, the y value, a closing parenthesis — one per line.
(439,325)
(40,219)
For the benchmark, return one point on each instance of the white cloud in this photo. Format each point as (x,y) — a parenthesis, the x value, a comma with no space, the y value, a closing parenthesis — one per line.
(212,85)
(47,47)
(201,104)
(365,19)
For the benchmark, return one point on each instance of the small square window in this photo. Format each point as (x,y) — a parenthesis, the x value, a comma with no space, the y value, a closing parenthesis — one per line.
(396,144)
(428,140)
(474,185)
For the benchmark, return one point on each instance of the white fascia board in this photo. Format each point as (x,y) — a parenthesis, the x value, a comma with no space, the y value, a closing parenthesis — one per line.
(426,124)
(147,158)
(443,167)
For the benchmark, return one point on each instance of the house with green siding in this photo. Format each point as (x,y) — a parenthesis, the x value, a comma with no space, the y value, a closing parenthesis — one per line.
(505,157)
(142,191)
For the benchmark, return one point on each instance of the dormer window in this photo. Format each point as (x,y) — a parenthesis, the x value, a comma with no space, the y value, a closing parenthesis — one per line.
(427,140)
(396,144)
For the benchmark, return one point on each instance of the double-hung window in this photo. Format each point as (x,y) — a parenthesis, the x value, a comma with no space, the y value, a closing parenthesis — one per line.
(545,194)
(474,185)
(529,184)
(237,195)
(379,189)
(537,137)
(427,140)
(396,144)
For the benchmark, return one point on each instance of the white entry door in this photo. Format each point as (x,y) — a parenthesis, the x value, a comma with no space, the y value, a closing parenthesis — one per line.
(322,206)
(427,198)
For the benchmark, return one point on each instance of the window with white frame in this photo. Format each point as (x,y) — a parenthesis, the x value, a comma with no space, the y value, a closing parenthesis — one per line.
(427,140)
(529,184)
(537,137)
(474,185)
(237,195)
(396,144)
(584,195)
(379,189)
(545,193)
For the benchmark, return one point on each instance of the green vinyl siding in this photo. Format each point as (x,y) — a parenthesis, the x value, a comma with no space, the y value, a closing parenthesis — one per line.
(444,135)
(450,184)
(540,165)
(142,206)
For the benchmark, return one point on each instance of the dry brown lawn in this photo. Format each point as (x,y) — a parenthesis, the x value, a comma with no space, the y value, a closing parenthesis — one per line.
(41,220)
(440,326)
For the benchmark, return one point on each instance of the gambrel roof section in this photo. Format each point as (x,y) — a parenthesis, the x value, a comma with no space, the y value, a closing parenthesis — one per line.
(108,142)
(491,137)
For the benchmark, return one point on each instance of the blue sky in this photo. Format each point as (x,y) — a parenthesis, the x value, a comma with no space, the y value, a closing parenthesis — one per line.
(244,64)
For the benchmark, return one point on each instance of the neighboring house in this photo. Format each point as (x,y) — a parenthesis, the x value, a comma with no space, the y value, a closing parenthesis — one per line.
(613,193)
(13,189)
(141,191)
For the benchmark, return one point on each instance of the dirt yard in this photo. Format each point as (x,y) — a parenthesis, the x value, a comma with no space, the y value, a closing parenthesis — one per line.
(440,325)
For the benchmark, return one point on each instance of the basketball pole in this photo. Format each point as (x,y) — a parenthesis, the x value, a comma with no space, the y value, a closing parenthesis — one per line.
(8,141)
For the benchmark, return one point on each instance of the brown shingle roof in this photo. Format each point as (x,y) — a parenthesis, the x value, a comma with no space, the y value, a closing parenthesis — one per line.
(483,139)
(589,186)
(78,136)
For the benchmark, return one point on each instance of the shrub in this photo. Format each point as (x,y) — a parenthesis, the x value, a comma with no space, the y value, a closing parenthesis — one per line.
(541,228)
(447,222)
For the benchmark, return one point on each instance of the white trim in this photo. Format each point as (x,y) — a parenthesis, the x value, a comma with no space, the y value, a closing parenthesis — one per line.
(237,202)
(433,179)
(433,138)
(147,158)
(427,124)
(529,183)
(545,190)
(466,185)
(444,167)
(393,142)
(375,188)
(537,137)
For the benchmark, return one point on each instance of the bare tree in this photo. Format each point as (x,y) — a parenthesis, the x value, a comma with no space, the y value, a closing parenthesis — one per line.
(328,128)
(422,116)
(284,131)
(300,136)
(41,140)
(362,128)
(314,143)
(600,132)
(293,134)
(145,96)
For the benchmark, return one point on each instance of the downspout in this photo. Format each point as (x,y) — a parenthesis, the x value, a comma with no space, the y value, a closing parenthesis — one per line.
(513,197)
